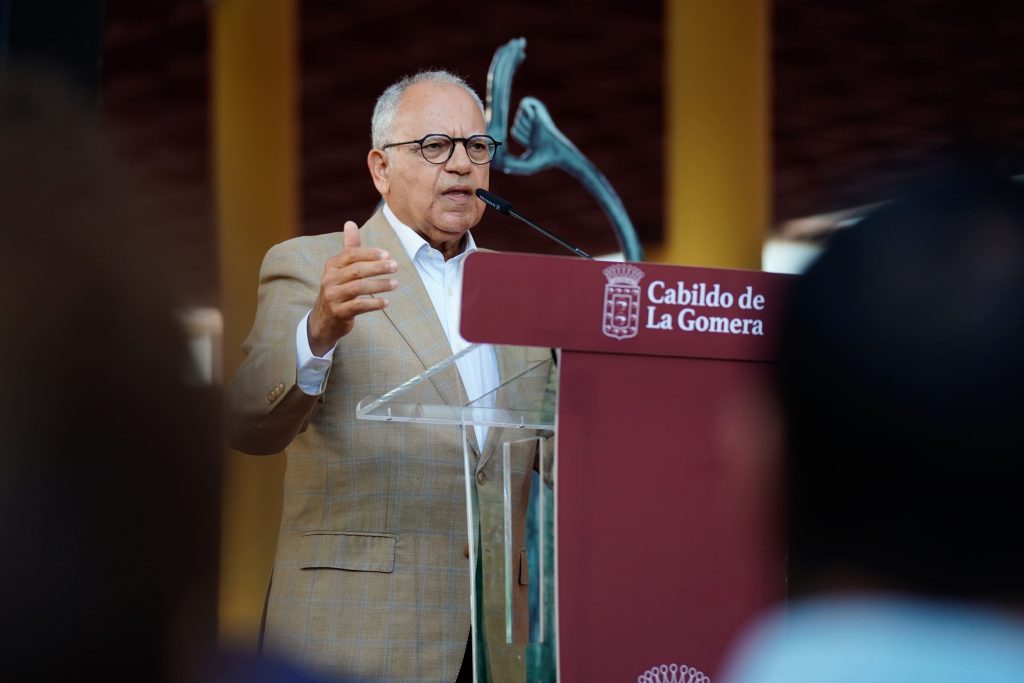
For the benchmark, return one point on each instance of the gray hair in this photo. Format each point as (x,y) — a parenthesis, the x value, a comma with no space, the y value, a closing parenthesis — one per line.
(386,110)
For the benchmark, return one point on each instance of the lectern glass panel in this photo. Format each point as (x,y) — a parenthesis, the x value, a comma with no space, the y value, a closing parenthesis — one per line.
(521,402)
(507,480)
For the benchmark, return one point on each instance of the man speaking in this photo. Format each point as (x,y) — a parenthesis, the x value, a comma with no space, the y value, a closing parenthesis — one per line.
(371,577)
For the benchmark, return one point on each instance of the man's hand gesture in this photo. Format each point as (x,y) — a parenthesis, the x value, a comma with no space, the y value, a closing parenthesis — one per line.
(348,279)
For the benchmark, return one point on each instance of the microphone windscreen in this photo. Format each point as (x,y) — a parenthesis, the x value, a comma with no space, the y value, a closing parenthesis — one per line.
(494,201)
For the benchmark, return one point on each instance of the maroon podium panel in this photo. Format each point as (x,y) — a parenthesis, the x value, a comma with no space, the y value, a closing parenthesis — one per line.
(658,560)
(621,308)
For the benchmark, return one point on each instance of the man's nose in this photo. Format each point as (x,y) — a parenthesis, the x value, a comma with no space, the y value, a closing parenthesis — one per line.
(459,161)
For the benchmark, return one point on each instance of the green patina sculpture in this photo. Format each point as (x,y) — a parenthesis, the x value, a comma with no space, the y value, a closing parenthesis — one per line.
(546,146)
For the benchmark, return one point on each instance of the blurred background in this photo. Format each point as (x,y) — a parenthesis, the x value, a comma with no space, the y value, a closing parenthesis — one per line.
(738,134)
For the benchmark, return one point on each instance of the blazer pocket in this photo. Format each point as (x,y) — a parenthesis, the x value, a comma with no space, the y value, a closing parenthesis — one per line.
(351,550)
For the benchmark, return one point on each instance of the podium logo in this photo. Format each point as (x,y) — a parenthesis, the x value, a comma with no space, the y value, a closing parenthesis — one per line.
(622,301)
(672,673)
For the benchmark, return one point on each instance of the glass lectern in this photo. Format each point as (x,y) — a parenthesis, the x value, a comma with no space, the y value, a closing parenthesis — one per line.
(508,457)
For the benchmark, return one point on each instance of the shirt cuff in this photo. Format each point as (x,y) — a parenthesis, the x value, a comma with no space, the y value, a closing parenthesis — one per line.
(313,370)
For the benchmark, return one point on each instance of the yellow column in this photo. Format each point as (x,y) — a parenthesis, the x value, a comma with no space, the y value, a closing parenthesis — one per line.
(255,168)
(717,175)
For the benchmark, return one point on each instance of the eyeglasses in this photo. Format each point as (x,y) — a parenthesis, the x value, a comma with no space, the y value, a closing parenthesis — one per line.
(437,148)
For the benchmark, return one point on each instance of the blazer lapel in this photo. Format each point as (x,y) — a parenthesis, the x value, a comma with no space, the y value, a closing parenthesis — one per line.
(412,313)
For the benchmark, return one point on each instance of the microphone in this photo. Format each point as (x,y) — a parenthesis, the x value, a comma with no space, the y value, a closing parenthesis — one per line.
(503,206)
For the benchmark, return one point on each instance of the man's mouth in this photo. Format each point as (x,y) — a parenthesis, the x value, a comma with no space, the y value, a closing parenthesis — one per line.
(459,195)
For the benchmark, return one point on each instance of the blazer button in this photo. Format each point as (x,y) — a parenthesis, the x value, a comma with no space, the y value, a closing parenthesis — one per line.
(481,477)
(467,551)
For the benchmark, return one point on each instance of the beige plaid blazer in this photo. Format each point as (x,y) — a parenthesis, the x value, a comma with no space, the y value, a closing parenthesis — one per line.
(371,577)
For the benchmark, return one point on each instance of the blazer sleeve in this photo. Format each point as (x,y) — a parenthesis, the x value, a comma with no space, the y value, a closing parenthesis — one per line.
(264,407)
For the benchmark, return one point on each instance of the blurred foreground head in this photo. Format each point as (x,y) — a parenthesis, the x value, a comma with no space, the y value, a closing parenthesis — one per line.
(109,468)
(902,387)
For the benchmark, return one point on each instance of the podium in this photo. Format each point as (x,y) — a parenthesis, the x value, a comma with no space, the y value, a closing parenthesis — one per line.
(652,562)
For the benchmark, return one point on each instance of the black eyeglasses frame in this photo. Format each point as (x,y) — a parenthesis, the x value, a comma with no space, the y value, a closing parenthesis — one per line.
(451,150)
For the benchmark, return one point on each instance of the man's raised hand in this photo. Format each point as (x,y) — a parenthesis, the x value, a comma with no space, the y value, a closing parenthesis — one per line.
(348,279)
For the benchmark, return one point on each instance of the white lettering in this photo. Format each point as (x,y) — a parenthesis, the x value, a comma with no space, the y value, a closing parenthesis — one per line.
(748,300)
(671,296)
(664,323)
(689,321)
(685,297)
(745,298)
(713,298)
(652,289)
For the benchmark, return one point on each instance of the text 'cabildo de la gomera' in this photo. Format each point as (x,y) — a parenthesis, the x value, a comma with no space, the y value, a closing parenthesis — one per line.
(677,308)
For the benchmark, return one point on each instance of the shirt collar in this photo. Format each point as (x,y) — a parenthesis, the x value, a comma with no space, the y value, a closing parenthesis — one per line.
(413,242)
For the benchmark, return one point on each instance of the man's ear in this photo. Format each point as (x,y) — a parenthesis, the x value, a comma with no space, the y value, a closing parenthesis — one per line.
(379,165)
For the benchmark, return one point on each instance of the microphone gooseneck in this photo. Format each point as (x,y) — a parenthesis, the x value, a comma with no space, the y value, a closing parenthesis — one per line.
(503,206)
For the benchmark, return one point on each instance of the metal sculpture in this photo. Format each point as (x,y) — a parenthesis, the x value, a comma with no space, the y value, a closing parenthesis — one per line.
(546,146)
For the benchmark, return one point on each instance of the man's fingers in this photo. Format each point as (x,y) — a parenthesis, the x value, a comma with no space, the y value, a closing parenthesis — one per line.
(355,254)
(344,292)
(367,304)
(351,277)
(351,235)
(335,275)
(353,307)
(364,269)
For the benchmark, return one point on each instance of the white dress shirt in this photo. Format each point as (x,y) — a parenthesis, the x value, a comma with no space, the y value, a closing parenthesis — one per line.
(443,282)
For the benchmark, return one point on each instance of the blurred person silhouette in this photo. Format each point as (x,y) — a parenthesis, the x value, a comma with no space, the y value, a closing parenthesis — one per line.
(900,390)
(109,475)
(109,499)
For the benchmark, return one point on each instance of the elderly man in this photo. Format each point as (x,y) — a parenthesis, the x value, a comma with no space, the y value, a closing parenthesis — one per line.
(372,577)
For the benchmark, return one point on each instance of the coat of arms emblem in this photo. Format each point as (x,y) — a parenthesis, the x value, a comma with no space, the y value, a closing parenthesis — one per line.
(622,301)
